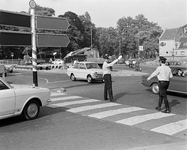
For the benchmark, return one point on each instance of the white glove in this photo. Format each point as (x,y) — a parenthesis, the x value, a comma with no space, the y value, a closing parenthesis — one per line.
(119,57)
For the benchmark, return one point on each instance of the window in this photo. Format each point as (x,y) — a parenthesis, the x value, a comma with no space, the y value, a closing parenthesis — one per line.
(182,53)
(82,66)
(3,86)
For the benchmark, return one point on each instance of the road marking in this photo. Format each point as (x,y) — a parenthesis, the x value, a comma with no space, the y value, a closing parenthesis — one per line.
(64,98)
(57,94)
(172,128)
(108,113)
(168,129)
(139,119)
(91,107)
(73,103)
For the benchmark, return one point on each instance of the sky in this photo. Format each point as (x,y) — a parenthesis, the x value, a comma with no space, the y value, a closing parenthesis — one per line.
(105,13)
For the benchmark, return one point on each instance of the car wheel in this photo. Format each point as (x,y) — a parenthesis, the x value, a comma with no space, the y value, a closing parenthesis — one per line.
(89,79)
(31,110)
(72,77)
(155,88)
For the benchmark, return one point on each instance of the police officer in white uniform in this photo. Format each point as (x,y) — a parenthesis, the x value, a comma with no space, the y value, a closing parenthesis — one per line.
(107,77)
(163,73)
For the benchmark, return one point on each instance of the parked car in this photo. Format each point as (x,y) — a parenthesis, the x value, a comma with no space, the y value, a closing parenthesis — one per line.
(89,71)
(22,100)
(58,61)
(177,84)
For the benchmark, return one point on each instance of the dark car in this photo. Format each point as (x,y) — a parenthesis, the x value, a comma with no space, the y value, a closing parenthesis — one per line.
(178,83)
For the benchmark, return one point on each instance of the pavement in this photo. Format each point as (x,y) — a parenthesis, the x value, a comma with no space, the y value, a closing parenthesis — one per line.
(172,146)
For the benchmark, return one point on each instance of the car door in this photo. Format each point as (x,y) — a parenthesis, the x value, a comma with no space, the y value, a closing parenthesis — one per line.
(178,82)
(7,100)
(82,71)
(75,70)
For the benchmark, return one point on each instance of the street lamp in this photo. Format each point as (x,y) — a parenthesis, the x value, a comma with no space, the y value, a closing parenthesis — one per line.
(91,35)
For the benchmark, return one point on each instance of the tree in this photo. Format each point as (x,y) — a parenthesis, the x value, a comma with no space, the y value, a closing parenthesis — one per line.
(75,30)
(44,11)
(138,31)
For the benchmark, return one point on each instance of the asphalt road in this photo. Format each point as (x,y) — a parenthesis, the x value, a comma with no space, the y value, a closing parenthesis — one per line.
(59,128)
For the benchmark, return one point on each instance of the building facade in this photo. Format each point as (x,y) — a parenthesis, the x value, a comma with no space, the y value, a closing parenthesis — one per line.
(173,43)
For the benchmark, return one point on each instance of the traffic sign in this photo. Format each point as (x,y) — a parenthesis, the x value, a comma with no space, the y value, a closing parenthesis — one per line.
(15,19)
(52,40)
(56,23)
(15,38)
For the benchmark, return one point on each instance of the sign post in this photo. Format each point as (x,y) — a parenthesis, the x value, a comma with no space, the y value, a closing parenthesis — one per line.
(34,52)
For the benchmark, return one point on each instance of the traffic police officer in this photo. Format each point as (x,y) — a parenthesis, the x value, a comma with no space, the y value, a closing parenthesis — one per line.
(107,77)
(163,73)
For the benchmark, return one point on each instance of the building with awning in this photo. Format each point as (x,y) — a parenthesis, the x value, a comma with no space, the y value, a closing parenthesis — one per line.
(173,43)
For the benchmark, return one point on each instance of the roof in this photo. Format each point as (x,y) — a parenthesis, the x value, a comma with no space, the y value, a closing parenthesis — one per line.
(183,43)
(169,34)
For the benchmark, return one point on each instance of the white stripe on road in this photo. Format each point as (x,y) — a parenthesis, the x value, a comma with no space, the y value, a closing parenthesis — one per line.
(57,94)
(172,128)
(115,112)
(91,107)
(73,103)
(64,98)
(139,119)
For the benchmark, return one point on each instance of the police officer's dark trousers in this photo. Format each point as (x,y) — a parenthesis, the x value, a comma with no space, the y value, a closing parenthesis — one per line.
(108,87)
(163,86)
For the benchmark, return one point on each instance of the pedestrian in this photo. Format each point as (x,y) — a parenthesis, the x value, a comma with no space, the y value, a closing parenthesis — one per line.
(163,73)
(107,68)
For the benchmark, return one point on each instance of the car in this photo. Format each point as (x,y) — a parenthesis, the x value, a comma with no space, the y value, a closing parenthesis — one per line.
(58,62)
(89,71)
(22,100)
(177,84)
(9,68)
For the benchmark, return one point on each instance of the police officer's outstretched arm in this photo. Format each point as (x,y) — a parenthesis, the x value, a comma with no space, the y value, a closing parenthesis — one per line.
(115,61)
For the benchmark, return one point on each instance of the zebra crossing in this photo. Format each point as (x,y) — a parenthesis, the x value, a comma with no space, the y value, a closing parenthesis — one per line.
(146,119)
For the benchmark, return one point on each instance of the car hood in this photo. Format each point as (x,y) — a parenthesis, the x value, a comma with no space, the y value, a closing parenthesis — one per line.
(22,86)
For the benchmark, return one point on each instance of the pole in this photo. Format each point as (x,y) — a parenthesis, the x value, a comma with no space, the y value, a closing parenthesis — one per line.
(34,53)
(91,36)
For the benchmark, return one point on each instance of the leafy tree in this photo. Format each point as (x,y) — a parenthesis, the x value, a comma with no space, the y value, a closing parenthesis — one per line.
(89,31)
(138,31)
(74,31)
(43,11)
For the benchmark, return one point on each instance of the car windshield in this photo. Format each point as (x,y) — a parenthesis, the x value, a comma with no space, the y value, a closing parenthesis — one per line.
(92,66)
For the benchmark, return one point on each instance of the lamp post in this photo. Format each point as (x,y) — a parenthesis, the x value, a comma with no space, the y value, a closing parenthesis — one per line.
(91,36)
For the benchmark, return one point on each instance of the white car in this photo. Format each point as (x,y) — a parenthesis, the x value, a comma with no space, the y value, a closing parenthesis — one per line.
(58,61)
(22,100)
(89,71)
